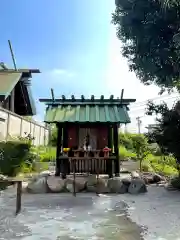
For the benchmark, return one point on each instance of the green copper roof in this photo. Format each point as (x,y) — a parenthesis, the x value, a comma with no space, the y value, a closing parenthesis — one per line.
(87,114)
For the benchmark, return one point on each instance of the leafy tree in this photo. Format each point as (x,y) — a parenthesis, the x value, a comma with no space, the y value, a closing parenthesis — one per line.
(53,137)
(170,3)
(141,147)
(167,132)
(136,143)
(150,40)
(126,140)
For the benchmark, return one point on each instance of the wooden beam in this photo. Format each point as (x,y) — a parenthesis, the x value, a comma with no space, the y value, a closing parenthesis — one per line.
(113,101)
(20,71)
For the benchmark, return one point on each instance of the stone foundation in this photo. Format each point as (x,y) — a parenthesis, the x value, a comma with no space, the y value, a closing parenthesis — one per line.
(46,183)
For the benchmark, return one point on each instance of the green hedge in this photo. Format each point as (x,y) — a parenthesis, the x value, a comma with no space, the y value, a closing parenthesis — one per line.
(14,155)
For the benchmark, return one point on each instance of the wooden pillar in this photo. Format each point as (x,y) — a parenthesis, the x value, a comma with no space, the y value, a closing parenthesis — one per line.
(64,163)
(109,163)
(116,150)
(110,143)
(58,148)
(65,136)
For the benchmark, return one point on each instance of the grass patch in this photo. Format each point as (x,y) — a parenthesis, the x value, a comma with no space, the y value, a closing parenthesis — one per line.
(162,165)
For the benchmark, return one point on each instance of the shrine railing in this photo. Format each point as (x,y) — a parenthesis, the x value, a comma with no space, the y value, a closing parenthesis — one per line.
(92,165)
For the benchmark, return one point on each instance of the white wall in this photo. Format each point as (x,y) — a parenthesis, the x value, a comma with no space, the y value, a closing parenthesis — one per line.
(13,125)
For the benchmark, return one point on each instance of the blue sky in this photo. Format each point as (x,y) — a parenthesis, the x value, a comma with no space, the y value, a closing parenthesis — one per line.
(74,45)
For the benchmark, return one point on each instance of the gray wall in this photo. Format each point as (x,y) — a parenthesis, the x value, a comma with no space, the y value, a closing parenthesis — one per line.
(13,125)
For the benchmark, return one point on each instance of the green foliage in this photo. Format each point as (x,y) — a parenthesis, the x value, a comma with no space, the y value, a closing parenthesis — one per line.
(133,145)
(141,147)
(18,155)
(175,182)
(53,137)
(44,154)
(136,147)
(165,169)
(125,139)
(146,167)
(150,40)
(126,154)
(165,165)
(130,140)
(170,3)
(13,156)
(167,132)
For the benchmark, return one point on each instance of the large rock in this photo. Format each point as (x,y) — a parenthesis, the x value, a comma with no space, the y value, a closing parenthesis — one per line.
(151,178)
(40,175)
(91,184)
(45,173)
(91,180)
(116,185)
(80,184)
(55,184)
(126,181)
(137,186)
(158,178)
(38,185)
(97,185)
(135,174)
(102,186)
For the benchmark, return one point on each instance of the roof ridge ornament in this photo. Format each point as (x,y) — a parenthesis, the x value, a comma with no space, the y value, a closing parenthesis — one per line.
(73,98)
(122,94)
(52,94)
(102,97)
(82,98)
(111,97)
(92,97)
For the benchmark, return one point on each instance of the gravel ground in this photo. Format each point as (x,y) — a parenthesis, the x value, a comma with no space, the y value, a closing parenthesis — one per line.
(57,216)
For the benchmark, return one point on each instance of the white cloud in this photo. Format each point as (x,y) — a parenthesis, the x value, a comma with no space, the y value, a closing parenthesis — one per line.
(62,72)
